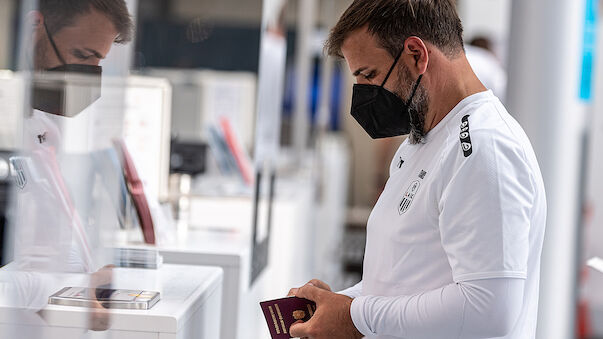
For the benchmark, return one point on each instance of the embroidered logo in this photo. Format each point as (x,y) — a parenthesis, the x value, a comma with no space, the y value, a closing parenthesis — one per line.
(42,138)
(19,172)
(465,137)
(408,197)
(422,174)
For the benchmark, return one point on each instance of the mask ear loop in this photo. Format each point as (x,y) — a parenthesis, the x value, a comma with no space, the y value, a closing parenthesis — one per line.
(54,46)
(392,68)
(414,90)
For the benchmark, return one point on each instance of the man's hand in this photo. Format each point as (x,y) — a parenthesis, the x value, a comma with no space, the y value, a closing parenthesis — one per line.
(332,319)
(313,282)
(99,317)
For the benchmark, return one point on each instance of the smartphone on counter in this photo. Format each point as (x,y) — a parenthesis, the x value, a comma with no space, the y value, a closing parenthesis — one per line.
(106,297)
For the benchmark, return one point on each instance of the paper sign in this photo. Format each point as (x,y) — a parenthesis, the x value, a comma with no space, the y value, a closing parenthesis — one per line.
(596,263)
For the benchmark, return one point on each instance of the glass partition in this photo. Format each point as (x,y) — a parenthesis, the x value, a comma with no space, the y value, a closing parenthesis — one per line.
(63,184)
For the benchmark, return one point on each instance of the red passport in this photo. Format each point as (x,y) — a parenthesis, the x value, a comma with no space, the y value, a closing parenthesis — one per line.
(281,313)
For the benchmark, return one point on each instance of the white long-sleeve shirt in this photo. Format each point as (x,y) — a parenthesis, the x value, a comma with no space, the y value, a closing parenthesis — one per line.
(454,241)
(484,308)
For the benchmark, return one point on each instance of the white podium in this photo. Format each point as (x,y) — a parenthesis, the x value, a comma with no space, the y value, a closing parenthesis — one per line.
(190,306)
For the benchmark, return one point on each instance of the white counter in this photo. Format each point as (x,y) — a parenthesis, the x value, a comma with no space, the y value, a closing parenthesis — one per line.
(190,307)
(290,255)
(232,252)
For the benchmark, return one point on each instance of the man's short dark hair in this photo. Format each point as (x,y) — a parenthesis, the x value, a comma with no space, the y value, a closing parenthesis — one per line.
(394,21)
(59,14)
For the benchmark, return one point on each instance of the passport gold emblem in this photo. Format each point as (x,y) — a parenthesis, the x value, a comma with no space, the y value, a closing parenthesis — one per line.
(310,309)
(280,317)
(299,315)
(278,330)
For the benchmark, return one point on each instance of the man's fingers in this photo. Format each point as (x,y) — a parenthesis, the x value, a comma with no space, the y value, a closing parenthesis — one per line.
(300,329)
(314,282)
(320,284)
(309,292)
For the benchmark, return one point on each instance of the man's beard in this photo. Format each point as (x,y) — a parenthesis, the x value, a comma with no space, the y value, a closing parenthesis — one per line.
(39,56)
(43,54)
(418,106)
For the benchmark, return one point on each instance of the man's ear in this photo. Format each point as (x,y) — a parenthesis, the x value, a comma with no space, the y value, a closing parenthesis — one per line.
(35,20)
(417,54)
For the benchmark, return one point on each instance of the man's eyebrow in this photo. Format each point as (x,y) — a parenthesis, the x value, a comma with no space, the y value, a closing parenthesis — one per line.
(359,70)
(96,54)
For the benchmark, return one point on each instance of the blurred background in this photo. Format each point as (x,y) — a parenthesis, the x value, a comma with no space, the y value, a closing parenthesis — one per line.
(236,128)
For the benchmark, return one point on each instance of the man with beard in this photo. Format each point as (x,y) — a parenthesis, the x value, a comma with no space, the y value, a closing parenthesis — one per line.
(454,241)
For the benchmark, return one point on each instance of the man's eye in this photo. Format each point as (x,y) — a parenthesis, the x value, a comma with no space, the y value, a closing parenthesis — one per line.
(370,75)
(81,55)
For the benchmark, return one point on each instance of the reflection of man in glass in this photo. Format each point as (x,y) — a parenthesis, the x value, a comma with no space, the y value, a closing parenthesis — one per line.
(69,38)
(78,31)
(74,36)
(68,41)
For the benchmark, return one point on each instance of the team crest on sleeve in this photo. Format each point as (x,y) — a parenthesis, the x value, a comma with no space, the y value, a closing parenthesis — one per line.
(408,197)
(465,137)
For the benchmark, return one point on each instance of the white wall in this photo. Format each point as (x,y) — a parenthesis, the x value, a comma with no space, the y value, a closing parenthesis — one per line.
(543,96)
(6,32)
(487,17)
(593,232)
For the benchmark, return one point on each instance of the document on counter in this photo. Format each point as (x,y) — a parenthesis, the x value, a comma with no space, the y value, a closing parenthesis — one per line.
(281,313)
(596,263)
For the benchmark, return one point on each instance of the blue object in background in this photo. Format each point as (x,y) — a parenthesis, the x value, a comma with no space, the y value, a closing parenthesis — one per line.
(589,50)
(314,93)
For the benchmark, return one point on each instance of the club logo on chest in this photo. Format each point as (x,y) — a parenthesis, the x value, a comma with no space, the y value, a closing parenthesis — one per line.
(408,197)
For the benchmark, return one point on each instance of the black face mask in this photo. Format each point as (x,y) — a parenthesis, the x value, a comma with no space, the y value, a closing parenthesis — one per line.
(380,112)
(68,89)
